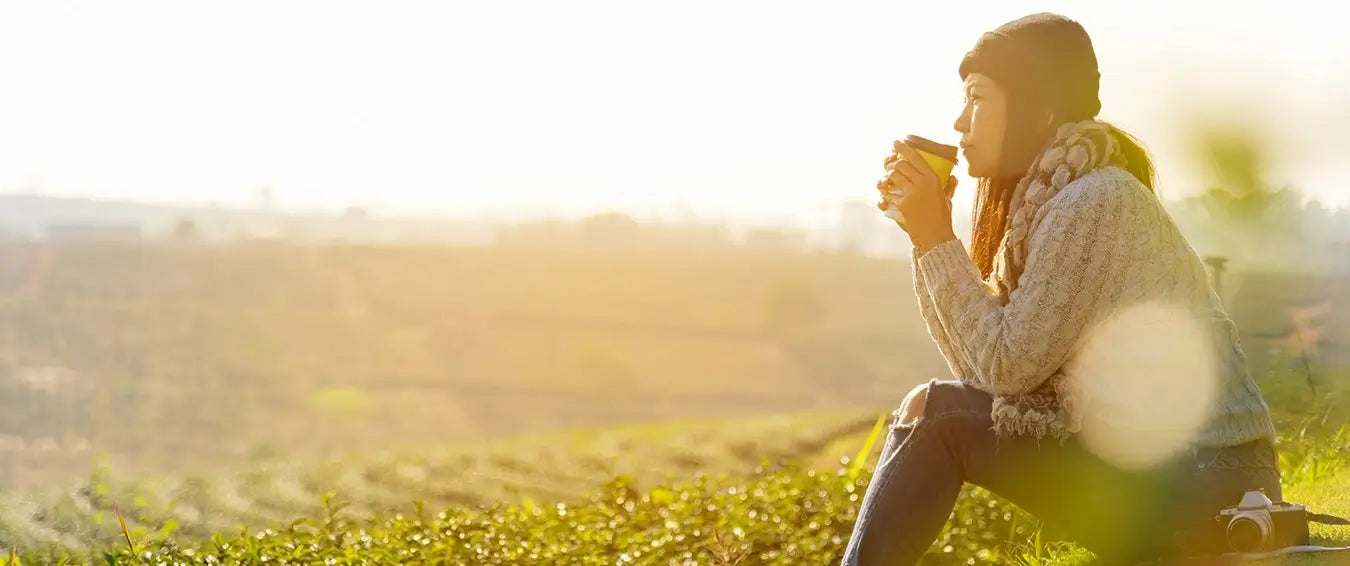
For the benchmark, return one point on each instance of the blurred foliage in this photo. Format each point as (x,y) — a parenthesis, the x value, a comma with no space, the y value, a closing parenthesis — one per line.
(778,513)
(610,229)
(780,516)
(1243,214)
(1234,155)
(785,515)
(341,401)
(186,230)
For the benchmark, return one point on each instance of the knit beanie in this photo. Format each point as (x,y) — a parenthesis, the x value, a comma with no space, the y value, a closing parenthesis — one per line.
(1046,57)
(1044,62)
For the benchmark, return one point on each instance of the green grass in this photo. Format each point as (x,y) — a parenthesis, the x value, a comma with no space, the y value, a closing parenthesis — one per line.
(775,515)
(562,466)
(771,515)
(773,490)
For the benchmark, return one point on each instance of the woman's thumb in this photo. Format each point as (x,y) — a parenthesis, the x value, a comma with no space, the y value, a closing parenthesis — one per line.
(951,186)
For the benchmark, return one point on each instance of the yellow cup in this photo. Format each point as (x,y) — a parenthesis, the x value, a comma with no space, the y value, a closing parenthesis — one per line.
(941,157)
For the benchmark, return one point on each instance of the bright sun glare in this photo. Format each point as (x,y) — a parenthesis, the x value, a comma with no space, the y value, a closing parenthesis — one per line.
(1152,370)
(567,107)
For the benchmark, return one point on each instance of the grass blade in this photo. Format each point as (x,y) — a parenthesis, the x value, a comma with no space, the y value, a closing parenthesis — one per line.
(125,532)
(855,467)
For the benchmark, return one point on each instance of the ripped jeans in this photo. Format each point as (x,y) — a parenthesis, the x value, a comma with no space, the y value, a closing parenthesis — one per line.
(1118,514)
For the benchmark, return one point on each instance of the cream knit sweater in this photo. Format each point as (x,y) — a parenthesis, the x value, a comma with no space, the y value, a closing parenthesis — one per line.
(1112,297)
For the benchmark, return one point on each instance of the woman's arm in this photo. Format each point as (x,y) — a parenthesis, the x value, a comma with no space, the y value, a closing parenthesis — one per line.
(1078,262)
(934,324)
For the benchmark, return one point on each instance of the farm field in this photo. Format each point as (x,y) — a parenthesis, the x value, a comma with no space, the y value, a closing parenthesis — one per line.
(198,389)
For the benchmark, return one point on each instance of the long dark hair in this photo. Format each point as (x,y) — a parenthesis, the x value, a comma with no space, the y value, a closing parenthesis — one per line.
(1024,139)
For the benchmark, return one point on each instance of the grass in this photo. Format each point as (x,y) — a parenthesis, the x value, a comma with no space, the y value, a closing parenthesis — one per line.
(560,466)
(774,490)
(782,513)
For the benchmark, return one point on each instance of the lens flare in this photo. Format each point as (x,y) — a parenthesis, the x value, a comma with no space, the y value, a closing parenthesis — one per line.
(1150,378)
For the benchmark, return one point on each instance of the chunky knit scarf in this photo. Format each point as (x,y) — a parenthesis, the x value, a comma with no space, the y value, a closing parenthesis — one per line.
(1054,408)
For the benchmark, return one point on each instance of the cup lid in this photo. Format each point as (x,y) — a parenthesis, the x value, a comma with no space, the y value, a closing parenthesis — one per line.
(944,151)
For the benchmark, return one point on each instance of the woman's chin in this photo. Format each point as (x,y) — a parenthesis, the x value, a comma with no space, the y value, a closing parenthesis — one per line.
(978,171)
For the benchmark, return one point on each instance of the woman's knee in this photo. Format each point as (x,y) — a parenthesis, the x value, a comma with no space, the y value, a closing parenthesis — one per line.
(913,406)
(937,397)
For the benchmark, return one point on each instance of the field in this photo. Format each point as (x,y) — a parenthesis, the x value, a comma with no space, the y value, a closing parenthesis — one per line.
(199,388)
(562,466)
(775,490)
(182,358)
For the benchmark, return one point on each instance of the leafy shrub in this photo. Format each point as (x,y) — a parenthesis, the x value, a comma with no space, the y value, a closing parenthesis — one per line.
(782,516)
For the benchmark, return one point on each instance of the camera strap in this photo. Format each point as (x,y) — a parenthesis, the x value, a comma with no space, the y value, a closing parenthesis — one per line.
(1231,558)
(1327,519)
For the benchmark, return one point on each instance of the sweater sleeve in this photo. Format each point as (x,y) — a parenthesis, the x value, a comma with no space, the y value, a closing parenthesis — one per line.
(1078,260)
(935,329)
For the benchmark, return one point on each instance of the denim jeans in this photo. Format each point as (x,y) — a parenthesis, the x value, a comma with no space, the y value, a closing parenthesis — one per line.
(1119,514)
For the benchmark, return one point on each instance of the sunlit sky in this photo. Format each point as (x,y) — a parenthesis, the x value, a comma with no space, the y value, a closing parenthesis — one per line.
(749,108)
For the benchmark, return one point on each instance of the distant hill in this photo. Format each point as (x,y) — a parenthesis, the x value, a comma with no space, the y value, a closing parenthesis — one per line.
(38,217)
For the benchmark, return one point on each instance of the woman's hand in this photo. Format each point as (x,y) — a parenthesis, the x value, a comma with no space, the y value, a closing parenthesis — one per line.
(912,187)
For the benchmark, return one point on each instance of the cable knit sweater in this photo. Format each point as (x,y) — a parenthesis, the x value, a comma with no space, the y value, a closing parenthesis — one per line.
(1112,298)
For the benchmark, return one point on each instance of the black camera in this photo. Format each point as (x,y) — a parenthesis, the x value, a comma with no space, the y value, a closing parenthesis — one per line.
(1257,524)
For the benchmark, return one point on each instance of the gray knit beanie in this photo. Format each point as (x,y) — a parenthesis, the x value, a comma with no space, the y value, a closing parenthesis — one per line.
(1044,57)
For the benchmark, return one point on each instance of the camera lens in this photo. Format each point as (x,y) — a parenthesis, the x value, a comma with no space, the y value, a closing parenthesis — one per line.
(1248,531)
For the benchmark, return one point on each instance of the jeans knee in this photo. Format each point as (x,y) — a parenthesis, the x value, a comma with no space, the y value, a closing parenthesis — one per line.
(941,397)
(913,406)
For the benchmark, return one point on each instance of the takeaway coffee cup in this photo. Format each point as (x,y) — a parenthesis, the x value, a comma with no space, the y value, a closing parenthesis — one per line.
(941,157)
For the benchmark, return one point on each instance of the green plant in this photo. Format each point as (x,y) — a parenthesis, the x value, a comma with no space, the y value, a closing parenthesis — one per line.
(856,467)
(781,512)
(1315,451)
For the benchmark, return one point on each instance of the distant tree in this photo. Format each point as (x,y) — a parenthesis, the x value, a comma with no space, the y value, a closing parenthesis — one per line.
(546,232)
(687,235)
(610,228)
(186,230)
(1241,216)
(775,240)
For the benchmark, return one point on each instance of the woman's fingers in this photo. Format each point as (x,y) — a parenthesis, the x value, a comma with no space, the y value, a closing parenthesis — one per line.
(905,173)
(889,179)
(911,158)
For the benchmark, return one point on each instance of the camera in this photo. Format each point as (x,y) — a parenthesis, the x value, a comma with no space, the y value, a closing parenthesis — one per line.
(1257,524)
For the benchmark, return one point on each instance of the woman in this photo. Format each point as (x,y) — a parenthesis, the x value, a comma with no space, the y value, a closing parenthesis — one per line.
(1099,383)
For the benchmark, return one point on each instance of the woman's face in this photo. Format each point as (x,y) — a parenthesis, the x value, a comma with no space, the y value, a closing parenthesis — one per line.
(982,123)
